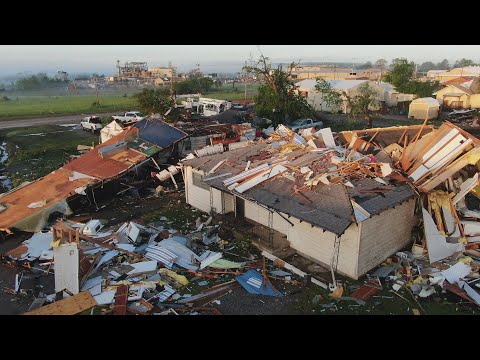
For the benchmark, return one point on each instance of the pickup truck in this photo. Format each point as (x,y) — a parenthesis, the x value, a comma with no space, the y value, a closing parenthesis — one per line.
(92,123)
(129,116)
(305,124)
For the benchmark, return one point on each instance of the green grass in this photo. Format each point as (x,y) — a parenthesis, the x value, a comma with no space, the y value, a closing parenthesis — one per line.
(34,156)
(182,217)
(42,106)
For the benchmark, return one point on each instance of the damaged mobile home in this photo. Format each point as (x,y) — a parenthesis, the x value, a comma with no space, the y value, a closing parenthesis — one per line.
(347,203)
(88,178)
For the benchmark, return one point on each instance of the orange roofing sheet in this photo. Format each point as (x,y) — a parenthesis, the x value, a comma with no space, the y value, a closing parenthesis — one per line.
(53,188)
(94,165)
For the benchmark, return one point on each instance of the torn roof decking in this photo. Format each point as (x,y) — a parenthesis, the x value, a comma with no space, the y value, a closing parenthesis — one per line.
(385,136)
(53,188)
(203,128)
(206,163)
(375,203)
(94,165)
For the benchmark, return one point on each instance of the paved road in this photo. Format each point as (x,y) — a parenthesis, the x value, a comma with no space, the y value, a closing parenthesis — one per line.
(70,119)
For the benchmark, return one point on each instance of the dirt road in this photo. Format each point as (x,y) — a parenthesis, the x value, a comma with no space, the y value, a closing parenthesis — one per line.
(70,119)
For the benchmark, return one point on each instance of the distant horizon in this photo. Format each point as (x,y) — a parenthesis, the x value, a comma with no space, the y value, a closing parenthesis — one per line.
(16,60)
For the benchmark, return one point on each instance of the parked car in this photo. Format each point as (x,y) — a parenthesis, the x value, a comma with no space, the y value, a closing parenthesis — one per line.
(129,116)
(305,124)
(261,121)
(92,123)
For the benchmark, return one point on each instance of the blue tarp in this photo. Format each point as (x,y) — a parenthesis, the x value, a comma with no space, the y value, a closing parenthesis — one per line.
(252,281)
(157,132)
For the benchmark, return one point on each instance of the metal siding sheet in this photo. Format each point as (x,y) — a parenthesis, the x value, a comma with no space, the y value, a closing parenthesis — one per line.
(250,282)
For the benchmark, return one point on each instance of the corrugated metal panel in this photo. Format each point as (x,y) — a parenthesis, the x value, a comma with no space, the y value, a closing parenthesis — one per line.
(161,254)
(165,294)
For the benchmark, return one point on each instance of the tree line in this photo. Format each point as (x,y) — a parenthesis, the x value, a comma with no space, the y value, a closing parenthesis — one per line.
(41,81)
(424,67)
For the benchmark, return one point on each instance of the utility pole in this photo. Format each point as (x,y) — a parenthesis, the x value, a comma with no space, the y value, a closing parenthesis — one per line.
(171,76)
(245,79)
(96,91)
(353,68)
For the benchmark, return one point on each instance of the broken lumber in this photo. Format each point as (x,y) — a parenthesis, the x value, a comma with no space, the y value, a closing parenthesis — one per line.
(69,306)
(211,291)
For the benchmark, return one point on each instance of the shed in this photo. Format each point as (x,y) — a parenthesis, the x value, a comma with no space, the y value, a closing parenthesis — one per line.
(423,107)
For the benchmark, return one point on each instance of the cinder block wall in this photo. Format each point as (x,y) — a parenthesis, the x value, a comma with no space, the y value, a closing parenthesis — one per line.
(318,245)
(384,234)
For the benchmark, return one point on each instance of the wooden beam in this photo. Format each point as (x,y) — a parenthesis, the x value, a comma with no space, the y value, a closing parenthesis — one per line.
(415,142)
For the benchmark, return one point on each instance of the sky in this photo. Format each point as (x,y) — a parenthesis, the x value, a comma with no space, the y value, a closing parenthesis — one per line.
(102,59)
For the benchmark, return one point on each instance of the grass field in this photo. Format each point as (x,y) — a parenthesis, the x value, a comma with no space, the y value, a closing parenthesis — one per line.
(35,151)
(30,105)
(38,106)
(228,92)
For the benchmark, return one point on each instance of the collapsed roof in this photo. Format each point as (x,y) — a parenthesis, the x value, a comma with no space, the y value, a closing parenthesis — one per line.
(28,207)
(300,190)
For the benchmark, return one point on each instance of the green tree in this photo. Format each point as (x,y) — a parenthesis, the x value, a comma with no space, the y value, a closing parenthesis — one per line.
(194,85)
(402,78)
(276,98)
(443,65)
(363,103)
(401,74)
(152,101)
(463,62)
(332,98)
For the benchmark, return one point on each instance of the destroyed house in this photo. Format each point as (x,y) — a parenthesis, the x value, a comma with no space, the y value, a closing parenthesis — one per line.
(207,133)
(328,204)
(88,178)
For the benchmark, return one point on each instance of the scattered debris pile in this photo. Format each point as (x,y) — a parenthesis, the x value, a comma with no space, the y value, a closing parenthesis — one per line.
(467,117)
(140,269)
